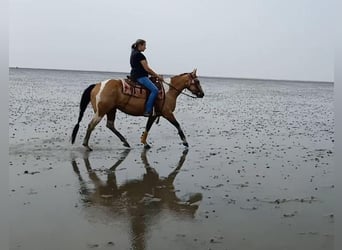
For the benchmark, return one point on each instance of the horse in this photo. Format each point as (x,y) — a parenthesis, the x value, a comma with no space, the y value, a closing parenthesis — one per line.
(107,97)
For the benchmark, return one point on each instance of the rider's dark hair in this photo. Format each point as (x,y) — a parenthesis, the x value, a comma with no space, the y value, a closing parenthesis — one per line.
(138,42)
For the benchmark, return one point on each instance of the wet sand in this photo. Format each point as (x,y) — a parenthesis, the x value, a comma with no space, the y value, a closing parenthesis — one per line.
(258,173)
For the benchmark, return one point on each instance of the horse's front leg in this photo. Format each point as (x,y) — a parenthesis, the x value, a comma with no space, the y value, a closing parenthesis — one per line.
(149,124)
(171,118)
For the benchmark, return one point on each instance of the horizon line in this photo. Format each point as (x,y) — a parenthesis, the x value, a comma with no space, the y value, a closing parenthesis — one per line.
(217,77)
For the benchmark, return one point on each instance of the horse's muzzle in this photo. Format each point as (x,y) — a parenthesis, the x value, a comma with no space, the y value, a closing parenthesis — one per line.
(200,94)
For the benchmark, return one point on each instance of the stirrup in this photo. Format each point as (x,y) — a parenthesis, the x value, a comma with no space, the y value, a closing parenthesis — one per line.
(148,114)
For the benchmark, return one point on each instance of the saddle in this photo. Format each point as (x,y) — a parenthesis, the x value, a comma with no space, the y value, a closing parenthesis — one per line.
(133,88)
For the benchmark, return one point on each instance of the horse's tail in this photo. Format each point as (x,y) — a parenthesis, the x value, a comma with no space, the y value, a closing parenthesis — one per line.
(83,105)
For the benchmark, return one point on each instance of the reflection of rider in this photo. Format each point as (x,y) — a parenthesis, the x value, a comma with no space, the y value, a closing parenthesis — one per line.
(140,71)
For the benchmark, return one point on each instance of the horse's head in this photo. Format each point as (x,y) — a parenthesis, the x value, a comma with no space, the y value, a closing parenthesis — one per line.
(190,81)
(193,84)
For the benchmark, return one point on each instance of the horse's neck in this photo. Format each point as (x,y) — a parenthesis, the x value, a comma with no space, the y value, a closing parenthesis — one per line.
(174,90)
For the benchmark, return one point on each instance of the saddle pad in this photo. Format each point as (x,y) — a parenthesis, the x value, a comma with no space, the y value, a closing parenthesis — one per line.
(139,91)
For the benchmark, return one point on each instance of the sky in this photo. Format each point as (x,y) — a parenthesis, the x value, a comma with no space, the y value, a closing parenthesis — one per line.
(265,39)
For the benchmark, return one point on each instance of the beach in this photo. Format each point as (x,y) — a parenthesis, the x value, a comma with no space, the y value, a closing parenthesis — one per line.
(258,172)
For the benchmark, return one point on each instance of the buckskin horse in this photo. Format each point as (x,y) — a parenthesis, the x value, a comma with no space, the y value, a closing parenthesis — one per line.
(108,96)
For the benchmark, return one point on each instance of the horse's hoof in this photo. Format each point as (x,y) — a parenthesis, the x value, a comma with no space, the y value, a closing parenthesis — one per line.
(126,144)
(88,148)
(146,146)
(185,144)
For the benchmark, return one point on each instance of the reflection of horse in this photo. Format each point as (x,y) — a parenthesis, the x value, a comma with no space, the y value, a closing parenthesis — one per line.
(106,97)
(143,199)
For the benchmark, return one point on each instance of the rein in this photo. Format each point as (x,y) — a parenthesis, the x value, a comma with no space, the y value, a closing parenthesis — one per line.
(179,91)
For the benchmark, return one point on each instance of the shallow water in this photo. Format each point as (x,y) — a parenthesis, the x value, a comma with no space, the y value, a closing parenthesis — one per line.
(258,173)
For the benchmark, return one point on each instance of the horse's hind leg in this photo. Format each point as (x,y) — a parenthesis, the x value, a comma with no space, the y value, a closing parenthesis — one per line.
(96,119)
(110,125)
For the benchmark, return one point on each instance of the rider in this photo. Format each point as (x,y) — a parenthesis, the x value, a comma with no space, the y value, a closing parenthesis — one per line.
(140,71)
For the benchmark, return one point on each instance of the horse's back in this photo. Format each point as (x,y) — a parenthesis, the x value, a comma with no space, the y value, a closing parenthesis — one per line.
(105,94)
(106,88)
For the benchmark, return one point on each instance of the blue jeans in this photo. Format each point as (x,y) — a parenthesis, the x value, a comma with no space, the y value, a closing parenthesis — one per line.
(147,83)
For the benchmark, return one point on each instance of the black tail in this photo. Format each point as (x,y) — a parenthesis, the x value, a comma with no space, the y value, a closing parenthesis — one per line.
(83,105)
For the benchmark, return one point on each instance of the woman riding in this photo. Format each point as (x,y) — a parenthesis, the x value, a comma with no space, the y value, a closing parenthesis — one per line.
(140,72)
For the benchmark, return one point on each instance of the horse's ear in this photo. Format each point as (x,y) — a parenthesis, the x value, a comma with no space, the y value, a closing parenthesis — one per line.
(194,72)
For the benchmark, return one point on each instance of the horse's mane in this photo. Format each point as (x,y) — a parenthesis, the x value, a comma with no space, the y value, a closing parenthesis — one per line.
(181,74)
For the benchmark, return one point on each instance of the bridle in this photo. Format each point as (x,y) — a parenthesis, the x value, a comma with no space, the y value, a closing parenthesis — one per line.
(192,81)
